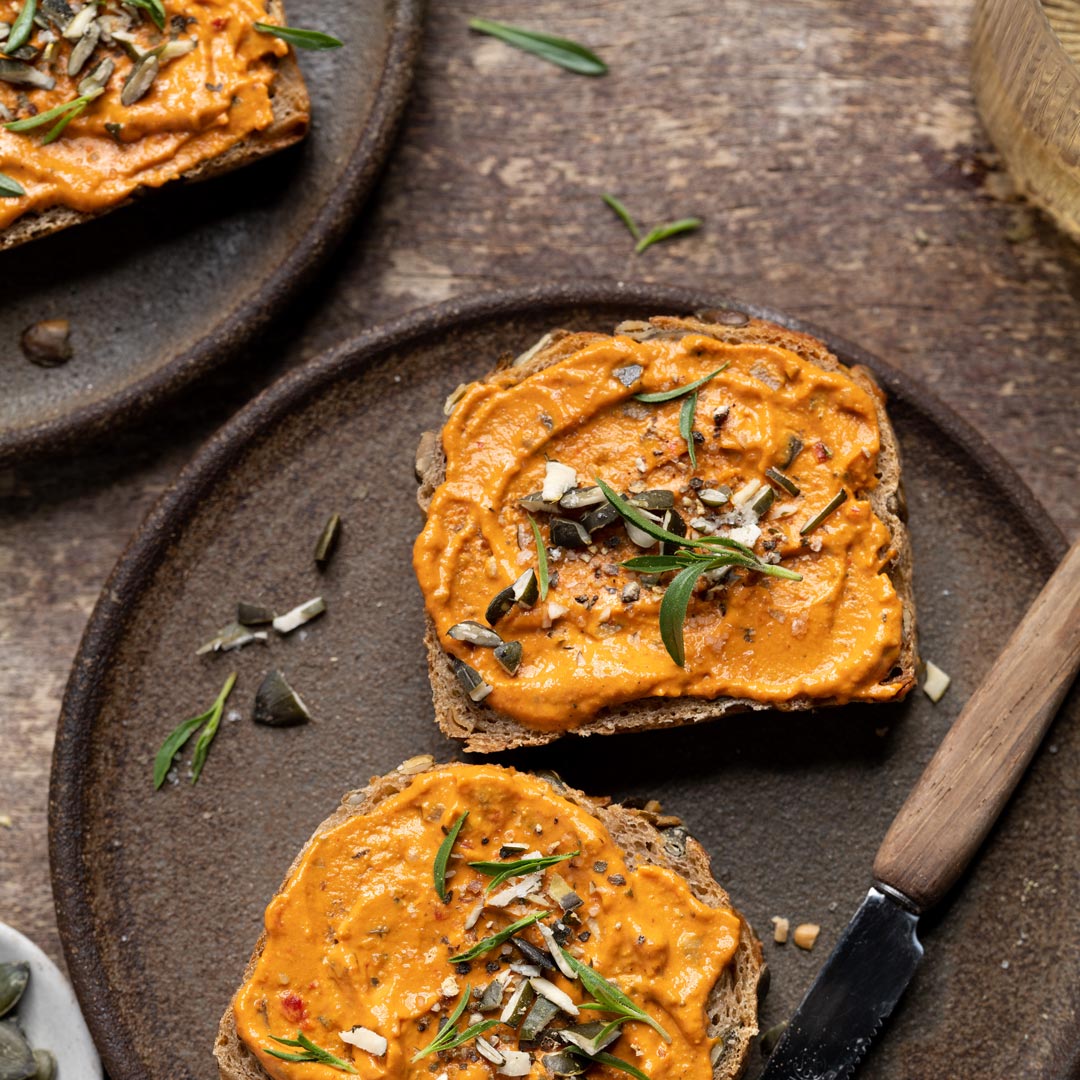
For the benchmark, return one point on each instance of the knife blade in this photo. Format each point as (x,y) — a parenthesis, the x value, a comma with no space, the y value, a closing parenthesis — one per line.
(935,835)
(853,994)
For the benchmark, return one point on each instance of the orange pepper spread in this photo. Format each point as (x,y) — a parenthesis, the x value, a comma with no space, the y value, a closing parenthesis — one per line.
(833,636)
(199,105)
(359,937)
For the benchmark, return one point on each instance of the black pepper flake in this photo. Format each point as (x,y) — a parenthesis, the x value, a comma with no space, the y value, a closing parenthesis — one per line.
(617,879)
(748,634)
(484,841)
(584,935)
(697,483)
(641,939)
(612,542)
(770,545)
(422,1023)
(698,437)
(583,599)
(463,968)
(374,981)
(599,866)
(491,967)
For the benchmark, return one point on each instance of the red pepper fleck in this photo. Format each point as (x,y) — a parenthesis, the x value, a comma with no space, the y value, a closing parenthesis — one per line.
(219,23)
(292,1005)
(821,453)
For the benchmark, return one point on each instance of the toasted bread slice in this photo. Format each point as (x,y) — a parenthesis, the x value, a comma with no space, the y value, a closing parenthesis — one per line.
(733,1002)
(485,730)
(291,108)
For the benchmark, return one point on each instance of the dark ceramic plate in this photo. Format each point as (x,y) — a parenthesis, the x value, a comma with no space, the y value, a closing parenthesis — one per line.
(159,292)
(160,896)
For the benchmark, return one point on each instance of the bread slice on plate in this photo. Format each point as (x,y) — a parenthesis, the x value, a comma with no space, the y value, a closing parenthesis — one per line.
(596,658)
(362,958)
(181,128)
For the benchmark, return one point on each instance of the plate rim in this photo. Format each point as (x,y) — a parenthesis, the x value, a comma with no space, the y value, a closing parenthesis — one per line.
(151,540)
(239,326)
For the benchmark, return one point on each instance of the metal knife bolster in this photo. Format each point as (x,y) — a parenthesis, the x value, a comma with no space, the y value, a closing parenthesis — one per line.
(852,995)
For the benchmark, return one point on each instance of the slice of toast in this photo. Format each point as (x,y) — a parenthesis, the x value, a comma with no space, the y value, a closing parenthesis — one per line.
(733,1002)
(485,730)
(291,107)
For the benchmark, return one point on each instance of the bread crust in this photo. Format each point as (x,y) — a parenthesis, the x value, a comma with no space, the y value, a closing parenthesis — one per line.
(291,107)
(733,1001)
(484,730)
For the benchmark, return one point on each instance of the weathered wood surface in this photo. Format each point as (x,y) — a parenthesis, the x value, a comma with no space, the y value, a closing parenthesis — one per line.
(834,152)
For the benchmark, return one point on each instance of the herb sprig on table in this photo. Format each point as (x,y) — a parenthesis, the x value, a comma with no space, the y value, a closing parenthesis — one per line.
(179,736)
(654,235)
(555,50)
(299,38)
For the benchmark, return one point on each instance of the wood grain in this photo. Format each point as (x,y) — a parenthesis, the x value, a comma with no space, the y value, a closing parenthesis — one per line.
(973,773)
(835,154)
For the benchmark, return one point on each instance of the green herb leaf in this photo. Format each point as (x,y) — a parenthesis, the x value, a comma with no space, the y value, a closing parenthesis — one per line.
(623,214)
(673,610)
(686,425)
(679,391)
(182,732)
(658,564)
(609,998)
(154,8)
(666,232)
(57,129)
(448,1037)
(829,509)
(541,559)
(442,857)
(10,189)
(21,28)
(555,50)
(496,940)
(202,746)
(610,1060)
(504,871)
(300,39)
(311,1053)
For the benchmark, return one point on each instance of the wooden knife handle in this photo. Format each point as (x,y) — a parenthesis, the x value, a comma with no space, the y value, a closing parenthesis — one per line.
(968,781)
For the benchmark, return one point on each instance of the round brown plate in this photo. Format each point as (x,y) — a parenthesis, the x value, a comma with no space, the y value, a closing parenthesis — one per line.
(160,895)
(159,292)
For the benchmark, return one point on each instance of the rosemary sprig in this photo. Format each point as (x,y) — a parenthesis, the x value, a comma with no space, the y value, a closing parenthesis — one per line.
(449,1037)
(298,38)
(21,28)
(311,1053)
(10,189)
(63,113)
(666,232)
(692,558)
(180,735)
(154,8)
(442,857)
(542,575)
(504,871)
(679,391)
(493,942)
(686,426)
(612,1062)
(555,50)
(607,997)
(623,214)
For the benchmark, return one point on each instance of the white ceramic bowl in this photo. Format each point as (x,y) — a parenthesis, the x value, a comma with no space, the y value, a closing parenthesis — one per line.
(49,1012)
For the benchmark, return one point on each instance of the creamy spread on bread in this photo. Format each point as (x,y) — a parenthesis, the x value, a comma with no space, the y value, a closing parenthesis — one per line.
(359,945)
(210,87)
(786,455)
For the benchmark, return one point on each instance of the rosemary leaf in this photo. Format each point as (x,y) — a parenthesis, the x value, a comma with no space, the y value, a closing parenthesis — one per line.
(182,732)
(679,391)
(202,745)
(57,129)
(21,28)
(10,189)
(154,8)
(298,38)
(448,1037)
(542,574)
(493,942)
(658,564)
(55,113)
(610,1060)
(686,425)
(555,50)
(635,517)
(673,609)
(311,1053)
(609,998)
(442,857)
(504,871)
(623,214)
(666,232)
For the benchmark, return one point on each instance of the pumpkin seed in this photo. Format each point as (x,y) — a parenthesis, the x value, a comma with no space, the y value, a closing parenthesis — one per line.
(18,73)
(16,1057)
(139,81)
(508,654)
(277,704)
(13,980)
(80,23)
(568,533)
(475,634)
(578,498)
(46,1065)
(83,50)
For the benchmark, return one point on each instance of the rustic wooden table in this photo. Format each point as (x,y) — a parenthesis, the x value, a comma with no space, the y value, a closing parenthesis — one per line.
(835,155)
